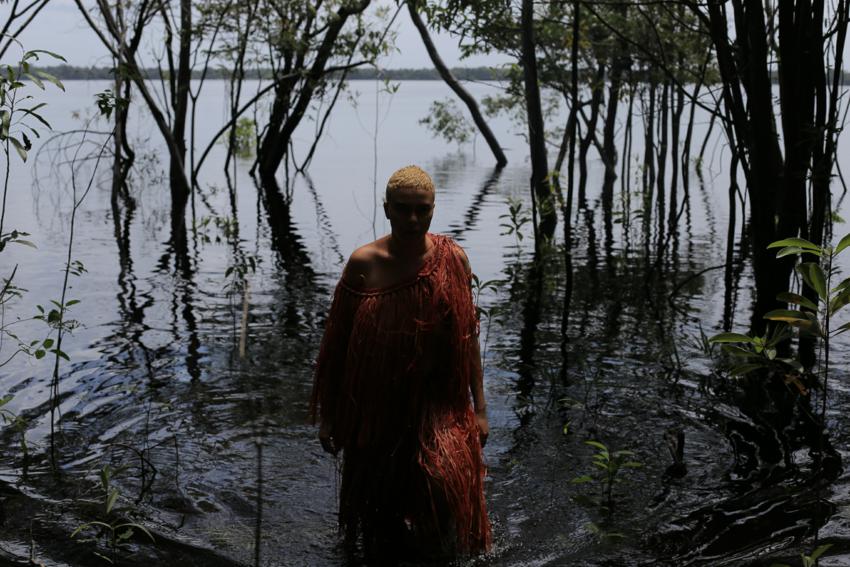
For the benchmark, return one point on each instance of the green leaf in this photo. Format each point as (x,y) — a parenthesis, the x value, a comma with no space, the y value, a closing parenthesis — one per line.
(582,479)
(842,244)
(139,527)
(796,299)
(19,147)
(47,343)
(786,315)
(737,351)
(598,445)
(5,122)
(814,277)
(110,500)
(819,551)
(731,338)
(51,78)
(39,354)
(61,354)
(31,112)
(742,369)
(793,250)
(841,329)
(799,242)
(35,53)
(36,81)
(845,283)
(839,301)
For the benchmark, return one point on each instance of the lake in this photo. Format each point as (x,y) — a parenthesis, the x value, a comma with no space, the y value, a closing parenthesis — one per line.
(211,451)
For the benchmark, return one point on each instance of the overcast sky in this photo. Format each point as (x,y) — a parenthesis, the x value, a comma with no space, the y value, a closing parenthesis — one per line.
(60,28)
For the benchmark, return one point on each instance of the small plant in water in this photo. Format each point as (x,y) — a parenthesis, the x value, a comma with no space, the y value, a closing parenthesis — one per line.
(115,533)
(608,472)
(808,560)
(812,317)
(515,219)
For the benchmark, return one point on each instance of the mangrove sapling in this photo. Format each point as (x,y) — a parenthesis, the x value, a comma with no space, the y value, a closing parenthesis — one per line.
(56,317)
(516,218)
(812,318)
(608,472)
(488,312)
(115,532)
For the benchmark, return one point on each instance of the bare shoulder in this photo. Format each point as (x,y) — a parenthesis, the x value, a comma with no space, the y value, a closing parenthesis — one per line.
(462,255)
(361,264)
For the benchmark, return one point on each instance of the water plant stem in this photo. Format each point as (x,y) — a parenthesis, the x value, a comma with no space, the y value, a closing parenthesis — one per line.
(54,387)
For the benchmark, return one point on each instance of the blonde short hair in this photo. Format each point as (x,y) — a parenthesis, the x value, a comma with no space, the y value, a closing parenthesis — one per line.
(410,177)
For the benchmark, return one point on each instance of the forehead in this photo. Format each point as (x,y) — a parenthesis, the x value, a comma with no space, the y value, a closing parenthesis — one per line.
(410,196)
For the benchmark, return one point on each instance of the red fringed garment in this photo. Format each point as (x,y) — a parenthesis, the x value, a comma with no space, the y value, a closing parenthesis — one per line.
(393,377)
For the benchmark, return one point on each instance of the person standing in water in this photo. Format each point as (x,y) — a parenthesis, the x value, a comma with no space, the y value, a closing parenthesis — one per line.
(398,387)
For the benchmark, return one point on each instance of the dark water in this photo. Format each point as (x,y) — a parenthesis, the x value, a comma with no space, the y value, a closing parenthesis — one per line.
(212,452)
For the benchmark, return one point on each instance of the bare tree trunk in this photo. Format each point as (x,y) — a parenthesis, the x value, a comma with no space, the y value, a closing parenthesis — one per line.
(286,115)
(662,160)
(626,165)
(595,102)
(455,85)
(540,185)
(675,158)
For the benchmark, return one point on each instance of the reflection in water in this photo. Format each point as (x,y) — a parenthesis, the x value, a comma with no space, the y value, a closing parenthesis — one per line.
(531,311)
(470,217)
(323,222)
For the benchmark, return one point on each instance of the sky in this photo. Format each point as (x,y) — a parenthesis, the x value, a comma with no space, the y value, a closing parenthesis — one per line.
(61,28)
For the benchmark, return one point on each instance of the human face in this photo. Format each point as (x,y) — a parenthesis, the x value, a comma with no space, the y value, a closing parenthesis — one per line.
(409,212)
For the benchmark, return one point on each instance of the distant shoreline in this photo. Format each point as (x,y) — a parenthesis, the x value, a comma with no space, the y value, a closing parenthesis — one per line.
(73,73)
(495,74)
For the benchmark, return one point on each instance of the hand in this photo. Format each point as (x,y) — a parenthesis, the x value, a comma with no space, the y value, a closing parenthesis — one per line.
(326,439)
(483,426)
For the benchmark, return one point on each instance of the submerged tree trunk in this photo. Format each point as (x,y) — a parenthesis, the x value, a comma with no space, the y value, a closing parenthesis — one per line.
(113,36)
(180,189)
(597,94)
(648,176)
(455,85)
(747,93)
(675,131)
(289,106)
(662,162)
(609,147)
(567,210)
(540,185)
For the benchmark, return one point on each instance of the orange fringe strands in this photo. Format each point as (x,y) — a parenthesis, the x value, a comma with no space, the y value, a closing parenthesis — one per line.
(393,377)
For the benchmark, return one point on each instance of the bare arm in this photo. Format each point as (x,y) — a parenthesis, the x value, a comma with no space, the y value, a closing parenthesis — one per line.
(354,275)
(477,384)
(478,401)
